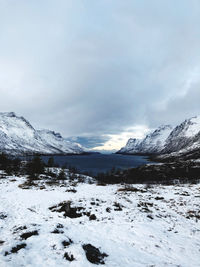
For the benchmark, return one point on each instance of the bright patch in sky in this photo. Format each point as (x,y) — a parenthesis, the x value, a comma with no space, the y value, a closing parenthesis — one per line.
(117,141)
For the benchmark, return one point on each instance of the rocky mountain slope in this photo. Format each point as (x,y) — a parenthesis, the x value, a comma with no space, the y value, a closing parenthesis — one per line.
(152,143)
(131,146)
(182,139)
(17,136)
(185,136)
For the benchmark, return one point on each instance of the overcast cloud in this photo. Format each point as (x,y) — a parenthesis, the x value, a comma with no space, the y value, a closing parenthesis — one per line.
(100,68)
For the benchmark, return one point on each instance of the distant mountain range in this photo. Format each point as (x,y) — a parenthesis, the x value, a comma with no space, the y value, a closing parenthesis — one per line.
(166,140)
(17,136)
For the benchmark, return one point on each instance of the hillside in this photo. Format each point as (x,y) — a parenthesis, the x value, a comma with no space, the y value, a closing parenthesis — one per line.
(166,140)
(81,224)
(17,136)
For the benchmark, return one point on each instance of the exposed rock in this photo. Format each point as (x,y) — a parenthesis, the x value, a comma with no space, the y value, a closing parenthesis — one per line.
(67,243)
(93,254)
(69,257)
(29,234)
(16,248)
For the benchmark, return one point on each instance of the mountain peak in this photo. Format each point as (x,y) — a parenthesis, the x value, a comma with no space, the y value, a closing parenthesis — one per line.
(18,137)
(166,139)
(8,114)
(193,126)
(164,126)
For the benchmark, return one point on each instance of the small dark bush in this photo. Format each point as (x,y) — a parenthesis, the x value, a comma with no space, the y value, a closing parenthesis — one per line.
(69,257)
(93,254)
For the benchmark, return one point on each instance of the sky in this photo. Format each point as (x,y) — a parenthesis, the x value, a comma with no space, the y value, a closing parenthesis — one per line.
(100,72)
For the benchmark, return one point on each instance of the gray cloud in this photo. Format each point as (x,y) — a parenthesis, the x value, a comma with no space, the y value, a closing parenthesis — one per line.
(90,141)
(179,108)
(99,67)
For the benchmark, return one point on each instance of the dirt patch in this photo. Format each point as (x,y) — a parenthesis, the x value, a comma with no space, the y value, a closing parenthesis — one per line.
(3,215)
(118,206)
(71,212)
(1,242)
(93,254)
(159,198)
(69,257)
(57,231)
(92,217)
(42,187)
(67,243)
(15,249)
(27,185)
(20,228)
(67,210)
(101,184)
(145,206)
(108,210)
(26,235)
(185,193)
(132,189)
(71,190)
(193,214)
(59,225)
(150,216)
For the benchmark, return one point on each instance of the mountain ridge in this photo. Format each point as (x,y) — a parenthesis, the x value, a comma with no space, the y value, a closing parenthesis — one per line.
(18,136)
(166,140)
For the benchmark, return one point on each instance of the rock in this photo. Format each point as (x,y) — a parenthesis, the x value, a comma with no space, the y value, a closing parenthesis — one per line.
(16,249)
(93,254)
(29,234)
(69,257)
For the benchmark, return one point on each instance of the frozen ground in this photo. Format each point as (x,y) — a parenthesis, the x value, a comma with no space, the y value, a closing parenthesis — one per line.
(147,226)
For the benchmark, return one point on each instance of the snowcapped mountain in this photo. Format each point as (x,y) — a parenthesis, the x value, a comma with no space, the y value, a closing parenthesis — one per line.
(152,143)
(56,140)
(182,139)
(155,141)
(17,136)
(185,137)
(131,146)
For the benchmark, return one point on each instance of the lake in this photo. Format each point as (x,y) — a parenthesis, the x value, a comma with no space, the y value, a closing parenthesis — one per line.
(96,163)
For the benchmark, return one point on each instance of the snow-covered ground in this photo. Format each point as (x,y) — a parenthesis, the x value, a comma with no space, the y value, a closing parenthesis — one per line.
(148,226)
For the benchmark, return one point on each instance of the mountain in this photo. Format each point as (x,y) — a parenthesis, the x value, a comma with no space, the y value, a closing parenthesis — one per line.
(131,146)
(151,144)
(17,136)
(155,141)
(184,138)
(56,140)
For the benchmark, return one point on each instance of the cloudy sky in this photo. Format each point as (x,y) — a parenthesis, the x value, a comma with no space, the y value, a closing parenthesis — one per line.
(107,69)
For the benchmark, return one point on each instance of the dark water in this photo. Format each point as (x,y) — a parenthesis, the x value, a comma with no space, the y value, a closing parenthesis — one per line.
(96,163)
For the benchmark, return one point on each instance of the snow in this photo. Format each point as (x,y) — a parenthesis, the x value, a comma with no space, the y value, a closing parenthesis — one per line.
(194,127)
(160,235)
(183,138)
(155,141)
(55,139)
(131,146)
(18,136)
(152,143)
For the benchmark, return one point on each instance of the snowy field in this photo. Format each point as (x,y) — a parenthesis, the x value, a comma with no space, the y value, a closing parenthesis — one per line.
(141,226)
